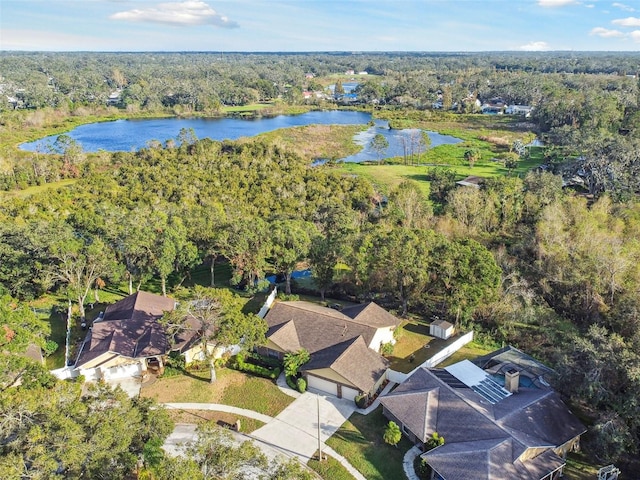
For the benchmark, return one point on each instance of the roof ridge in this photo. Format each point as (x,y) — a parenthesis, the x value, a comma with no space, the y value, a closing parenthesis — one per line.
(351,343)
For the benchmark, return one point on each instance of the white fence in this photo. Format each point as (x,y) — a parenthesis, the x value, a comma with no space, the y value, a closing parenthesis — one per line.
(65,373)
(399,377)
(267,304)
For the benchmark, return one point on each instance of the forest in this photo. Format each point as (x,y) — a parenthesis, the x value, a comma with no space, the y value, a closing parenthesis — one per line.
(545,260)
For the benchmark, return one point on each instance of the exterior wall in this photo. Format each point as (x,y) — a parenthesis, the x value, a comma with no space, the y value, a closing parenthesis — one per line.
(530,453)
(197,352)
(349,393)
(406,432)
(572,445)
(268,352)
(107,359)
(382,335)
(322,384)
(330,375)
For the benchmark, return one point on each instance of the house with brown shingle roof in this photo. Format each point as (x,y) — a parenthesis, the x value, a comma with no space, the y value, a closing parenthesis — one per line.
(492,432)
(127,338)
(344,345)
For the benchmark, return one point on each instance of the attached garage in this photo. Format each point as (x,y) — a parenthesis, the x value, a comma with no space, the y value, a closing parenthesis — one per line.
(322,385)
(349,393)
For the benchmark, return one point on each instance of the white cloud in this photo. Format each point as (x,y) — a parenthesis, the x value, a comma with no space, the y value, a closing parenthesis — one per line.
(606,33)
(556,3)
(534,47)
(591,5)
(627,22)
(635,35)
(188,13)
(622,6)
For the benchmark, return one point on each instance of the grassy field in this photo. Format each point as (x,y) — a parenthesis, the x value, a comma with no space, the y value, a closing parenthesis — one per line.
(390,175)
(231,388)
(360,441)
(37,189)
(319,141)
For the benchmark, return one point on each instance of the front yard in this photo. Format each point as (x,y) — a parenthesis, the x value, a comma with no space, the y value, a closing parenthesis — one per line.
(360,441)
(231,388)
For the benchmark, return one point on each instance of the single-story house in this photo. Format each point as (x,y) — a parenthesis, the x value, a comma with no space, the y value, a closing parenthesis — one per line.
(344,345)
(127,339)
(519,110)
(498,416)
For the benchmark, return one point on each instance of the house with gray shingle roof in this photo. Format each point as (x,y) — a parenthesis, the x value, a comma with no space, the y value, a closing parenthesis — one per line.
(494,428)
(344,345)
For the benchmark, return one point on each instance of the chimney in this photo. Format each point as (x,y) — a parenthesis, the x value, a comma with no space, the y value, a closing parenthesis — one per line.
(512,380)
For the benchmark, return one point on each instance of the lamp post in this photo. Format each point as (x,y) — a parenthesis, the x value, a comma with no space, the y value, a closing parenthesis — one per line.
(319,438)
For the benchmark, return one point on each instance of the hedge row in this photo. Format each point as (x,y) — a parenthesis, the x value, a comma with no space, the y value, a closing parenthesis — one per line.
(239,364)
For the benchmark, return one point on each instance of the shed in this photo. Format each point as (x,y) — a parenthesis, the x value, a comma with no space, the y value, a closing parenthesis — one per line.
(441,329)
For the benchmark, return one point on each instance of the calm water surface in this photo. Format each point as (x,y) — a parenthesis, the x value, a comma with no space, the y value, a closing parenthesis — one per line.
(132,135)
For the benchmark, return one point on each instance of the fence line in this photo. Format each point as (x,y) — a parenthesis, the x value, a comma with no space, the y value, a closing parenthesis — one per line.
(399,377)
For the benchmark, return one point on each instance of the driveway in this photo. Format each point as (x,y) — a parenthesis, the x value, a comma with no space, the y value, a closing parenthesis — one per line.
(295,429)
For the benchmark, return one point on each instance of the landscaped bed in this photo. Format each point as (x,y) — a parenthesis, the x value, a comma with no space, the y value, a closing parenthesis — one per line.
(360,441)
(231,388)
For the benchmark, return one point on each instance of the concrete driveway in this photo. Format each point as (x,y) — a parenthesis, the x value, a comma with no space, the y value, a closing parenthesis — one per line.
(295,429)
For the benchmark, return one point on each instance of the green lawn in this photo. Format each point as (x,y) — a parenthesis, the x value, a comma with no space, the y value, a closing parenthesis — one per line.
(468,352)
(37,189)
(412,337)
(232,388)
(579,467)
(329,469)
(360,441)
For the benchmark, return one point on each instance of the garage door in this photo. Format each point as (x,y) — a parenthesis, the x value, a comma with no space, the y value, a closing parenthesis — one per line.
(321,384)
(349,393)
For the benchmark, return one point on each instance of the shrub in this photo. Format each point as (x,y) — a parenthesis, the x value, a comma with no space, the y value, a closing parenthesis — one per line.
(291,381)
(386,348)
(174,365)
(238,363)
(361,401)
(302,385)
(422,468)
(49,347)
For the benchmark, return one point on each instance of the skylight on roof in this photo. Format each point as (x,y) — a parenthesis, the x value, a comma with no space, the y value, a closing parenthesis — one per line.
(478,380)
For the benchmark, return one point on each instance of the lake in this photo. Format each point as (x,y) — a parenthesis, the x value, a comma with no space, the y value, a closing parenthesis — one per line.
(132,135)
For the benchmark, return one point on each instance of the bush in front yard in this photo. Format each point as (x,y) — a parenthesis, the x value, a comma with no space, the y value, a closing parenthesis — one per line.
(291,382)
(302,385)
(239,363)
(361,401)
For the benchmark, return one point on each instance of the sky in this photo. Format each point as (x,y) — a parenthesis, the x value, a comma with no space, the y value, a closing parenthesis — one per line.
(319,25)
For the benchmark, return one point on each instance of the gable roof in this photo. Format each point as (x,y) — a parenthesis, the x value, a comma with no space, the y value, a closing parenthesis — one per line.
(129,328)
(317,328)
(371,314)
(335,340)
(353,360)
(481,437)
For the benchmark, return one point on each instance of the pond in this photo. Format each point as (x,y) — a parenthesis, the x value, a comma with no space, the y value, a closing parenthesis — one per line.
(132,135)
